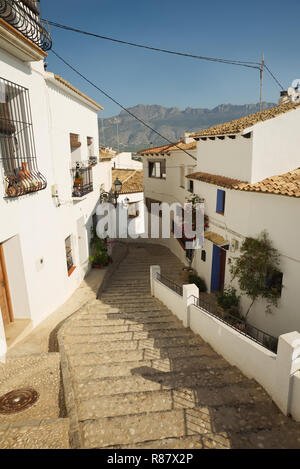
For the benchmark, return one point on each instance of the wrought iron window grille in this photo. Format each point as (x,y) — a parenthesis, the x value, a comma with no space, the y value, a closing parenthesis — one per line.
(26,20)
(17,147)
(82,176)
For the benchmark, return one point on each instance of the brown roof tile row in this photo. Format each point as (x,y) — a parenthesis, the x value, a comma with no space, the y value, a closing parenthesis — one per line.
(219,180)
(166,149)
(131,179)
(238,125)
(283,184)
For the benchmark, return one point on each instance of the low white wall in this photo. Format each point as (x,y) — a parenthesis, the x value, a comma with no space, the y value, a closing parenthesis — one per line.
(252,359)
(278,373)
(295,398)
(171,299)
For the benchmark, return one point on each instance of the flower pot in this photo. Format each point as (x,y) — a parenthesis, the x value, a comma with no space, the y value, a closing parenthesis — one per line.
(97,266)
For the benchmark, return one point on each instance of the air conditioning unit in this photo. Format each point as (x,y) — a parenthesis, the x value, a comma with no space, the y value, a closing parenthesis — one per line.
(234,245)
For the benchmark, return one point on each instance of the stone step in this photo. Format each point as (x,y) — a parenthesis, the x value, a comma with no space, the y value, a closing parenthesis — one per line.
(207,441)
(130,327)
(96,358)
(41,434)
(218,379)
(124,404)
(177,423)
(131,335)
(127,295)
(132,429)
(116,313)
(123,319)
(162,400)
(144,367)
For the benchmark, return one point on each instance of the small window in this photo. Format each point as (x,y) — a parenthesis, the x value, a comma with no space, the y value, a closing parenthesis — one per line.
(203,255)
(69,255)
(220,201)
(157,169)
(191,186)
(133,211)
(274,281)
(182,180)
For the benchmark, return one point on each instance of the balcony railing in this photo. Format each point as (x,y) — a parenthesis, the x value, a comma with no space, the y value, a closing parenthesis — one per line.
(82,181)
(24,16)
(257,335)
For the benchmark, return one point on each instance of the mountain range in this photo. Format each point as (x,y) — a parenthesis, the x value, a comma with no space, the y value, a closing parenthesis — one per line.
(128,134)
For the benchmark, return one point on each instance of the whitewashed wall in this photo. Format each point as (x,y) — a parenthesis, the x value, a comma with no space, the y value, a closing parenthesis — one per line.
(34,225)
(277,373)
(124,160)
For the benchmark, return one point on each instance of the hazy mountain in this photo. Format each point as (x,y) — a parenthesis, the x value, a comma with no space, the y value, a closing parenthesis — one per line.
(170,122)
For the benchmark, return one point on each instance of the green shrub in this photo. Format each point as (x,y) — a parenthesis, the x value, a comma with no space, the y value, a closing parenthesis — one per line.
(99,254)
(229,300)
(199,282)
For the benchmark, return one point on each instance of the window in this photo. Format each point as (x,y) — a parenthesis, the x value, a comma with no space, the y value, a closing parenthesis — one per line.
(157,169)
(182,176)
(69,255)
(191,186)
(17,149)
(220,201)
(133,211)
(92,159)
(274,281)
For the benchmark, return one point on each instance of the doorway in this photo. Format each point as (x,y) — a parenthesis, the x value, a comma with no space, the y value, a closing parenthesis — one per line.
(5,298)
(218,269)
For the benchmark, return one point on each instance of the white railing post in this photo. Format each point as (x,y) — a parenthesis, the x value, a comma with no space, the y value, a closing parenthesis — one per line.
(154,270)
(287,363)
(189,291)
(3,346)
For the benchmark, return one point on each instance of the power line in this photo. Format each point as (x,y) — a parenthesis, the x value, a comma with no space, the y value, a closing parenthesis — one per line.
(120,105)
(255,65)
(274,78)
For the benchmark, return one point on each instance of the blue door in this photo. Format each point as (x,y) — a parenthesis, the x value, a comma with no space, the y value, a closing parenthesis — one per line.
(215,269)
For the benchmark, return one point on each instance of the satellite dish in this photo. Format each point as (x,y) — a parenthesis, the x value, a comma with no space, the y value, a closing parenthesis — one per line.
(291,91)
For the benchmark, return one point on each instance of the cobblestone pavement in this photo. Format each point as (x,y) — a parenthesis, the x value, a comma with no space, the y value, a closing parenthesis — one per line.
(136,378)
(39,426)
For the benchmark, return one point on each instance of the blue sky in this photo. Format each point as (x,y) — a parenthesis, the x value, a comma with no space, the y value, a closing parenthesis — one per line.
(228,29)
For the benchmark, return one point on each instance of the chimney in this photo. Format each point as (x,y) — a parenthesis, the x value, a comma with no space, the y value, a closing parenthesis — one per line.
(151,145)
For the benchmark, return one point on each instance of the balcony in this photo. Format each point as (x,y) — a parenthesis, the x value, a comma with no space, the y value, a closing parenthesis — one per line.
(82,180)
(23,16)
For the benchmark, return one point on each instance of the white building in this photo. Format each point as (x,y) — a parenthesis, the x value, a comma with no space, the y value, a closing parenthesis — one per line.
(47,207)
(241,173)
(131,200)
(165,169)
(124,160)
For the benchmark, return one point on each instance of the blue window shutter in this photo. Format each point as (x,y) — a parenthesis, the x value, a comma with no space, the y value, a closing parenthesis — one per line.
(220,201)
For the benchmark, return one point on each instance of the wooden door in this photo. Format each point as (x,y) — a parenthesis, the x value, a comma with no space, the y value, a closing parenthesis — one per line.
(222,268)
(5,300)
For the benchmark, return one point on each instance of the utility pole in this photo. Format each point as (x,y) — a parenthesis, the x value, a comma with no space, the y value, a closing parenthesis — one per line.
(261,81)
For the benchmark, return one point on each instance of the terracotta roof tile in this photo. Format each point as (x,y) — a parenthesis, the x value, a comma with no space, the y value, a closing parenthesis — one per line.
(283,184)
(132,180)
(238,125)
(222,181)
(166,149)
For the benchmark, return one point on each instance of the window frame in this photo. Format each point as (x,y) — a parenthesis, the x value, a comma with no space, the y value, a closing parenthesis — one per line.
(162,169)
(220,204)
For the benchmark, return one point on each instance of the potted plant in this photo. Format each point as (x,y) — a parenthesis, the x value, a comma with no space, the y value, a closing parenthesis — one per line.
(99,255)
